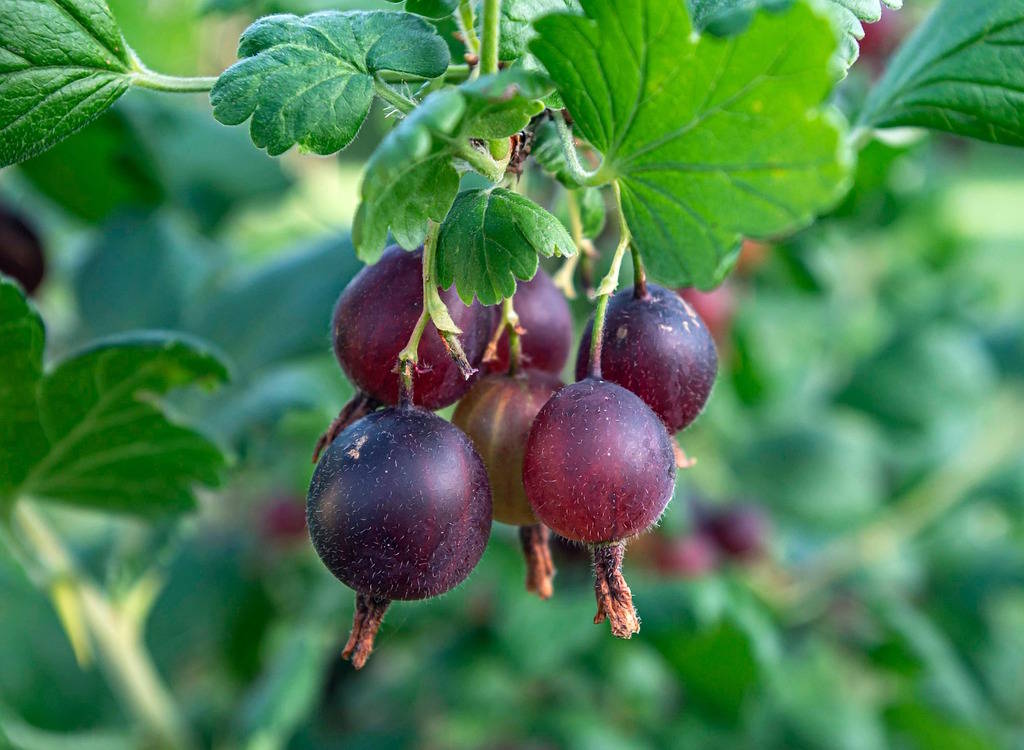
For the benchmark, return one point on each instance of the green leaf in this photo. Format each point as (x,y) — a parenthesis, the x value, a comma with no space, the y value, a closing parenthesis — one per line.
(709,139)
(492,237)
(411,177)
(962,72)
(310,80)
(62,63)
(547,152)
(90,432)
(502,104)
(726,17)
(22,339)
(99,170)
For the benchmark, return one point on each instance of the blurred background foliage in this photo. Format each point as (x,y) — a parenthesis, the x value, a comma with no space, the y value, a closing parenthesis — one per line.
(866,427)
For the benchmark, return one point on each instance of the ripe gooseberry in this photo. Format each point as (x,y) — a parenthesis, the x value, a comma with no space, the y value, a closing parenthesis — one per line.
(372,322)
(738,530)
(497,415)
(547,327)
(399,507)
(656,346)
(599,468)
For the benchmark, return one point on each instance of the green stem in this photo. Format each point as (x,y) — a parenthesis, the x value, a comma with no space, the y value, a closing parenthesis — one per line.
(491,36)
(580,175)
(607,287)
(128,666)
(515,343)
(467,25)
(455,74)
(483,163)
(147,79)
(639,273)
(403,104)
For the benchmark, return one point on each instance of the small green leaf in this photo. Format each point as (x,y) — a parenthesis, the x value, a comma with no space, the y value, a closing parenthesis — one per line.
(62,63)
(491,238)
(90,432)
(709,139)
(310,80)
(502,104)
(411,177)
(962,72)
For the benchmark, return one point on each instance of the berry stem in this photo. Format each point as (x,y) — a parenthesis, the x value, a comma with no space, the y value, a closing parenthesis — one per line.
(365,623)
(540,570)
(607,287)
(515,342)
(639,274)
(614,599)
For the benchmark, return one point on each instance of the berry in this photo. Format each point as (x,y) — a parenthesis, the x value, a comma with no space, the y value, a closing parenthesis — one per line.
(399,508)
(21,252)
(657,346)
(688,556)
(738,530)
(599,468)
(497,414)
(547,323)
(283,519)
(374,318)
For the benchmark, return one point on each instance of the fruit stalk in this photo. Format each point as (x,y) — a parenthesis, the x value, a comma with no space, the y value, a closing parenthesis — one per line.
(607,287)
(540,569)
(365,624)
(614,599)
(639,274)
(515,342)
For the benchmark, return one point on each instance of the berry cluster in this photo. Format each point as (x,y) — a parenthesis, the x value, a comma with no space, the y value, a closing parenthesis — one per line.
(401,502)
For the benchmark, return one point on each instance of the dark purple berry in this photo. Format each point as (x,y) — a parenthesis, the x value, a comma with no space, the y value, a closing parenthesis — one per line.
(374,318)
(21,252)
(657,346)
(689,556)
(544,315)
(399,508)
(599,468)
(497,415)
(738,530)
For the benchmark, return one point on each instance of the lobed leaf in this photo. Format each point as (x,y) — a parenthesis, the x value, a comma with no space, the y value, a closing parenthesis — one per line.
(412,176)
(962,72)
(493,237)
(433,9)
(90,432)
(310,80)
(62,63)
(708,138)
